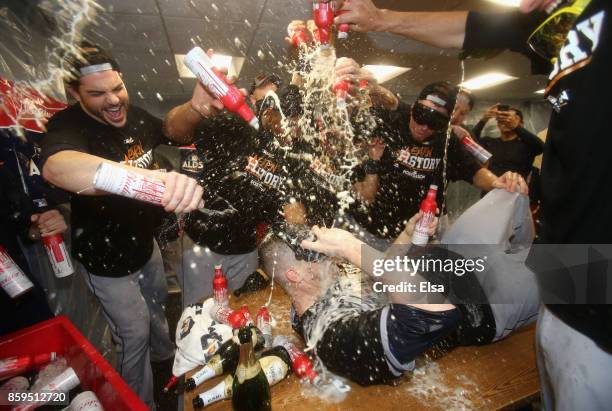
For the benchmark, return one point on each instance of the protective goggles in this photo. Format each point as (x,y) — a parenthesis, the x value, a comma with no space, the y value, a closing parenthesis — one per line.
(549,37)
(429,117)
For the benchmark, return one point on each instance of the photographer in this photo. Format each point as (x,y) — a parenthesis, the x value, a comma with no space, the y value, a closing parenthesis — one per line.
(516,147)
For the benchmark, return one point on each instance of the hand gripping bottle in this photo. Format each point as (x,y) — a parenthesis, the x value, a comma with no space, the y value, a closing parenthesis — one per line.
(128,183)
(300,363)
(343,28)
(220,287)
(323,16)
(299,39)
(202,66)
(420,236)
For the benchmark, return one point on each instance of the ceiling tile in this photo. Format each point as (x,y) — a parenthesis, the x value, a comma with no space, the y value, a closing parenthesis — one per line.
(137,33)
(236,11)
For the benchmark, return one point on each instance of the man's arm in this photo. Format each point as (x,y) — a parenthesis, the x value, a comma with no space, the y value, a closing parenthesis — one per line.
(534,142)
(510,181)
(368,188)
(440,29)
(74,171)
(181,122)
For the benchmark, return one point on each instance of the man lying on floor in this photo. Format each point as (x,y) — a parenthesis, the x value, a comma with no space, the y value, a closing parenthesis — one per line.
(372,338)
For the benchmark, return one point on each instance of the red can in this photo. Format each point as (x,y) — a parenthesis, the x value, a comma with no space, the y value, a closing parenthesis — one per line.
(12,366)
(58,255)
(12,279)
(420,236)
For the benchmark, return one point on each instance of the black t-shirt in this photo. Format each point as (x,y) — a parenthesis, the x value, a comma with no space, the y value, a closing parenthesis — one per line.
(576,166)
(511,155)
(258,181)
(320,183)
(112,235)
(220,143)
(407,169)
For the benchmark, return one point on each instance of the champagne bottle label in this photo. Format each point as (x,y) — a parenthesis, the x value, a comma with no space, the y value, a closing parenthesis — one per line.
(204,374)
(219,392)
(274,368)
(244,372)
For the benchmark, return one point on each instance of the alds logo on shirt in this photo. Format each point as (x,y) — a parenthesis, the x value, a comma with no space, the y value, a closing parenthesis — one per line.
(577,52)
(192,163)
(264,170)
(136,157)
(417,161)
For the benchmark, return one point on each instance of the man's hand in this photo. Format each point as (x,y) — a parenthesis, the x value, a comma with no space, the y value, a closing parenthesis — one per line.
(508,118)
(491,112)
(376,149)
(294,27)
(182,195)
(202,101)
(49,223)
(360,15)
(460,131)
(411,224)
(330,241)
(511,182)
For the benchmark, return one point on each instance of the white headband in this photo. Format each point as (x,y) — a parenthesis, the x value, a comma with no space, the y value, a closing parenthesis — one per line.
(435,99)
(95,68)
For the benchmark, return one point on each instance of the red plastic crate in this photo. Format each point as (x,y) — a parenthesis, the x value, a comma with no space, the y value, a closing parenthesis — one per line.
(94,372)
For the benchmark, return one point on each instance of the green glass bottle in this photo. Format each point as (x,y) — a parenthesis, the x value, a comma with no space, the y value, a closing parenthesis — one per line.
(250,389)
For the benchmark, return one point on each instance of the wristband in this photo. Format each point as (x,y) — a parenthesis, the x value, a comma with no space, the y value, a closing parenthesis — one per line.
(371,166)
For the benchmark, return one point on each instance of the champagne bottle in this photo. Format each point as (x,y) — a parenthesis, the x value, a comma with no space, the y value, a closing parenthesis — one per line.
(275,364)
(258,280)
(225,360)
(250,389)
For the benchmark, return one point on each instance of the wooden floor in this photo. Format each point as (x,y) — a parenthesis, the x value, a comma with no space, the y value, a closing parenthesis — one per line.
(498,376)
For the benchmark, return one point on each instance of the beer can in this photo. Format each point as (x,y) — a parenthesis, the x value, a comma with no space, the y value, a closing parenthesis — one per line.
(12,279)
(58,255)
(128,183)
(15,384)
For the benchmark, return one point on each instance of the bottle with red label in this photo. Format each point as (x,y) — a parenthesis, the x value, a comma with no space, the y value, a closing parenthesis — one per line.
(225,315)
(202,66)
(323,16)
(265,325)
(475,149)
(341,90)
(299,39)
(248,318)
(300,363)
(58,255)
(12,279)
(12,366)
(127,183)
(420,236)
(220,293)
